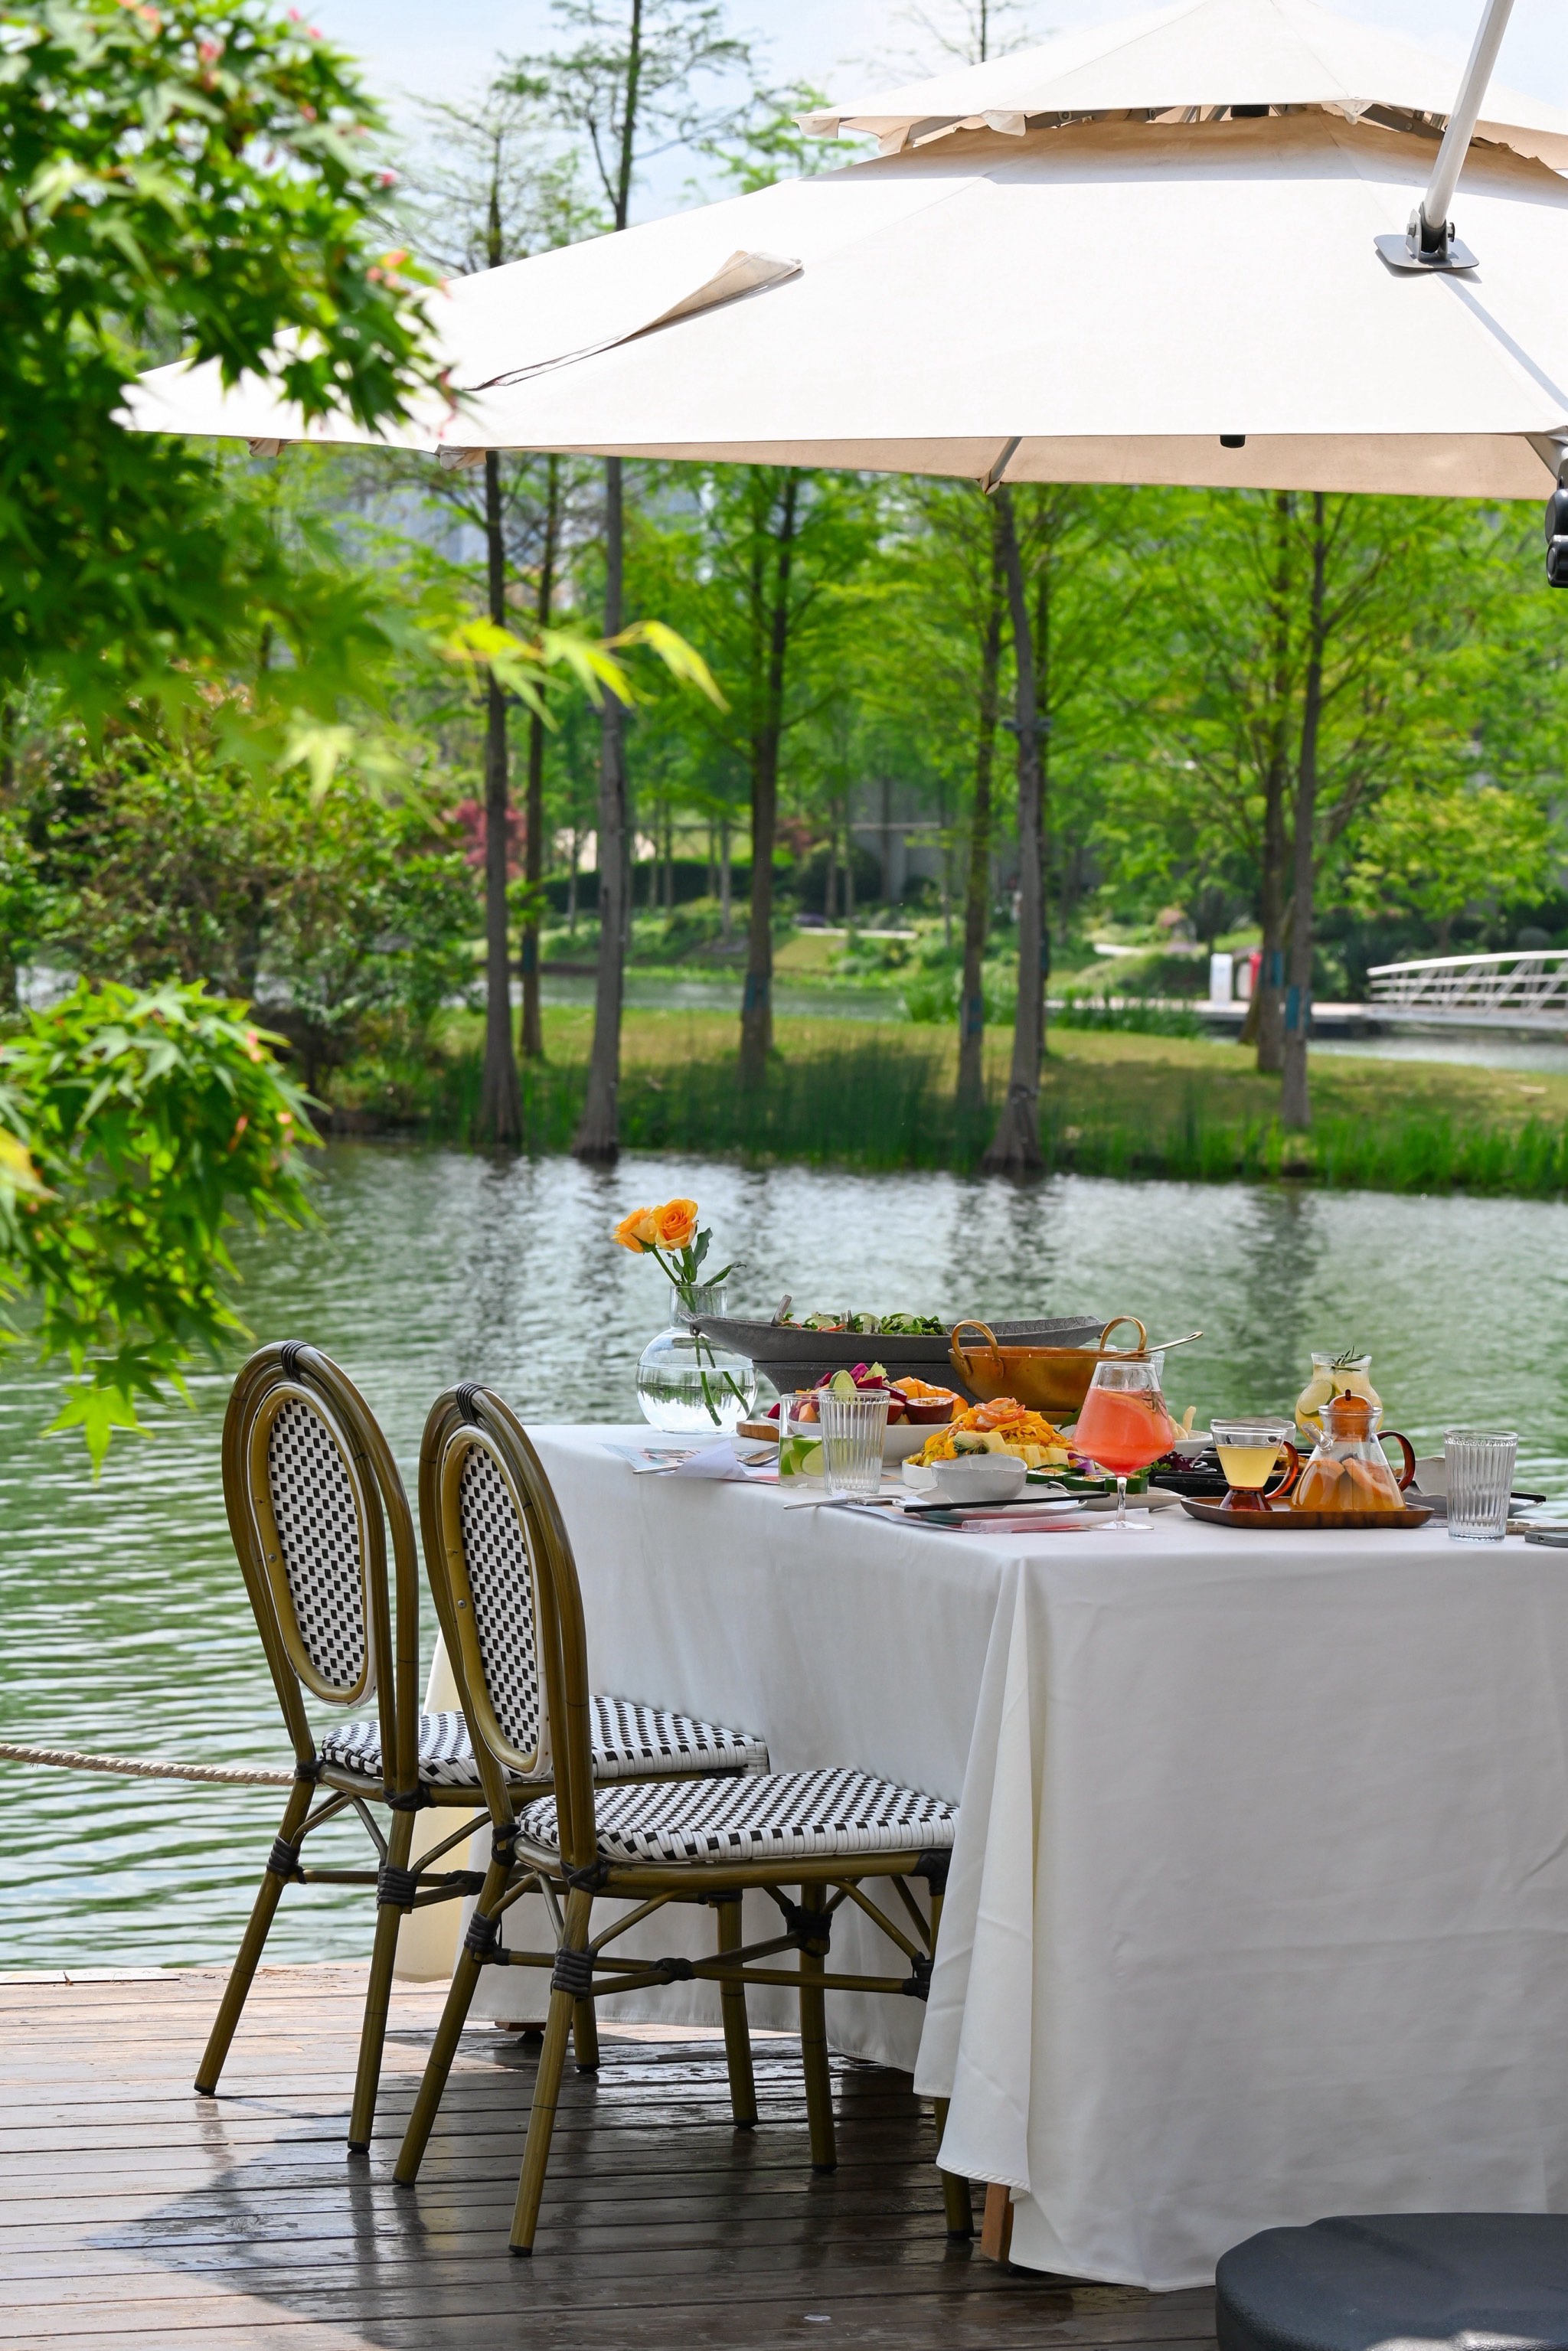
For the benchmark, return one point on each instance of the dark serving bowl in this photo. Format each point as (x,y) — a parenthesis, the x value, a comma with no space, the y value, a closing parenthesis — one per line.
(793,1358)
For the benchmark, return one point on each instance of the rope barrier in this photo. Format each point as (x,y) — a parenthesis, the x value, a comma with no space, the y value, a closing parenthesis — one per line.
(153,1767)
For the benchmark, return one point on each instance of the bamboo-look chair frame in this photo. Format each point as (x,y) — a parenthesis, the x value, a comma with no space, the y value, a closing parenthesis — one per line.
(461,1420)
(292,1371)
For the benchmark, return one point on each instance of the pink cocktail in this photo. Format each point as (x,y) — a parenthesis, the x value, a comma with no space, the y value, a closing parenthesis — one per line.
(1123,1425)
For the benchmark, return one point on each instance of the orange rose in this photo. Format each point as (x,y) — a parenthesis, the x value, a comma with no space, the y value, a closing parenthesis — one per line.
(638,1231)
(676,1224)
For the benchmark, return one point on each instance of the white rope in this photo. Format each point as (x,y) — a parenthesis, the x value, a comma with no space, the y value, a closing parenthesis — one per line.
(134,1767)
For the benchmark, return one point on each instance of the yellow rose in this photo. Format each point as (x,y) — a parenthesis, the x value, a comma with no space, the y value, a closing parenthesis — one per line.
(676,1224)
(638,1231)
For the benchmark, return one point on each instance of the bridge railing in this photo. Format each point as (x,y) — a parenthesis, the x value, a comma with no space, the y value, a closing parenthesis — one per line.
(1529,986)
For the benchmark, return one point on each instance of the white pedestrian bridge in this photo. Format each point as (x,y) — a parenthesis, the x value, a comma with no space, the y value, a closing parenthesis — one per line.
(1518,991)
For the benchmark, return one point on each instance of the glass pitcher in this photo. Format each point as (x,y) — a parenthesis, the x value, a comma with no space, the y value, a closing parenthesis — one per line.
(1346,1374)
(1349,1471)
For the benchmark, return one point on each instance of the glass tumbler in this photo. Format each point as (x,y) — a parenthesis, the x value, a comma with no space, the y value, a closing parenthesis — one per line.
(1480,1480)
(853,1430)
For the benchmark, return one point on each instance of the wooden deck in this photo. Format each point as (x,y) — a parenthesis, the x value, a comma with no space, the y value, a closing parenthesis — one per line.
(135,2213)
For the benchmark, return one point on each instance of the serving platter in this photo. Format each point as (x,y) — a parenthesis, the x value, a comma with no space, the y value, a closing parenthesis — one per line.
(797,1358)
(1282,1520)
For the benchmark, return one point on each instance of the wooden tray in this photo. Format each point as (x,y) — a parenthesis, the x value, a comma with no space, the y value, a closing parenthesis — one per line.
(1282,1520)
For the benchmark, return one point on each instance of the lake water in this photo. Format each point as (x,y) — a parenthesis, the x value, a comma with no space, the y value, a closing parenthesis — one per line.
(123,1622)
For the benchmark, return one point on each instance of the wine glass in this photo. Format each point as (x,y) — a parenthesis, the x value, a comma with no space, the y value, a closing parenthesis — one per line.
(1123,1425)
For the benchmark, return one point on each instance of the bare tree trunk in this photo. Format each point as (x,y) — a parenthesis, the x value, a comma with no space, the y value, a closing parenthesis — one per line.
(971,1093)
(1264,1024)
(598,1137)
(500,1105)
(1295,1098)
(849,867)
(726,886)
(757,1006)
(533,1022)
(1015,1147)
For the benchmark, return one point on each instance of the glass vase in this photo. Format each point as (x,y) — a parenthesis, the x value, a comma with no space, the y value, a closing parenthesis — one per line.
(688,1385)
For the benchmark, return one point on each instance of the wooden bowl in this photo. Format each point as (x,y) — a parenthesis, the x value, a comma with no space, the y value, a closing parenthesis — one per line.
(1049,1380)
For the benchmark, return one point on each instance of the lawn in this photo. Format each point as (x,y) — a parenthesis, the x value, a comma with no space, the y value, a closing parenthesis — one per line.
(880,1095)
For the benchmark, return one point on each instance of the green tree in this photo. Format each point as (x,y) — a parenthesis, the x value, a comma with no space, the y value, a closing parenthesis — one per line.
(492,194)
(200,179)
(135,1132)
(767,574)
(622,83)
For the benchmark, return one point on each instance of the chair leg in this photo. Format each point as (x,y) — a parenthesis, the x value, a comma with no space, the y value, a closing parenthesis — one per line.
(252,1944)
(956,2200)
(814,2047)
(443,2048)
(547,2084)
(585,2036)
(378,1993)
(737,2034)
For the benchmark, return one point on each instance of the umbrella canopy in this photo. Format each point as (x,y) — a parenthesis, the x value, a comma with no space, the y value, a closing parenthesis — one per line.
(1201,57)
(1108,299)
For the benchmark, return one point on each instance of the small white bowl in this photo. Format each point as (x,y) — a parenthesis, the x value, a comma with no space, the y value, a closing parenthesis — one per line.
(981,1477)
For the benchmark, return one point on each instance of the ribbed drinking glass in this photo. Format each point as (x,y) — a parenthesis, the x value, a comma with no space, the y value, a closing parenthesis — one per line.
(1480,1480)
(852,1431)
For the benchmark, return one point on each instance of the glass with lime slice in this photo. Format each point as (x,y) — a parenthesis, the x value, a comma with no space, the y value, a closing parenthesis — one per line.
(800,1454)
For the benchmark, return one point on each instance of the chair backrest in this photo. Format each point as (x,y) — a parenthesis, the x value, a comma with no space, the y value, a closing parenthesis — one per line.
(506,1590)
(311,1491)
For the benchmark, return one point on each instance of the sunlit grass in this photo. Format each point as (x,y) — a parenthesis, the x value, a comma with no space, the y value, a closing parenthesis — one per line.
(881,1096)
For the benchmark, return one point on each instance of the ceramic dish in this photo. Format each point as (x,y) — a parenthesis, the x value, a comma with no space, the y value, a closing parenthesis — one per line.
(980,1477)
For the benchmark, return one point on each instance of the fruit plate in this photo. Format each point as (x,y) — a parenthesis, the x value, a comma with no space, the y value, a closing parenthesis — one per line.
(1282,1520)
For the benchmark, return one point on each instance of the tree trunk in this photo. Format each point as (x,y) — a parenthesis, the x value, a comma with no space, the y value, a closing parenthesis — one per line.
(1295,1099)
(1265,1016)
(571,889)
(978,890)
(500,1105)
(533,1023)
(756,1007)
(598,1137)
(726,886)
(849,867)
(1015,1147)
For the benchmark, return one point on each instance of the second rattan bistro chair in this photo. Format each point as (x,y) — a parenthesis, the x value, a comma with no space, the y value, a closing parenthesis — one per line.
(505,1588)
(312,1492)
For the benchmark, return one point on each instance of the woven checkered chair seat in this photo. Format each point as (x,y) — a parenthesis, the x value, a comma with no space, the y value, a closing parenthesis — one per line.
(629,1739)
(777,1816)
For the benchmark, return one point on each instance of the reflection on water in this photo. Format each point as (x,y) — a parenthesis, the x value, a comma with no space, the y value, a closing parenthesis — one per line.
(124,1621)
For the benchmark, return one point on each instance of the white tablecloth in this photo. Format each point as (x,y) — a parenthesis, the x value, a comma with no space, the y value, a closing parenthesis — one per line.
(1259,1904)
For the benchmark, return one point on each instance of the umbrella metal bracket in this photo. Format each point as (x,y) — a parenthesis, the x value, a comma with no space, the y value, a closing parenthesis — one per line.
(1408,252)
(1429,242)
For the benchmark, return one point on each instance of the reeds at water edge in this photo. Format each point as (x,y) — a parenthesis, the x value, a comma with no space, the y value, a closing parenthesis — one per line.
(879,1105)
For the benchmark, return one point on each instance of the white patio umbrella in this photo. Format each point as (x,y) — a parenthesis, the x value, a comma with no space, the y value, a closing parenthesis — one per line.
(1159,269)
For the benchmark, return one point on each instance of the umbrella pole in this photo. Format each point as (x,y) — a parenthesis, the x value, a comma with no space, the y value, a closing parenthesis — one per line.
(1429,242)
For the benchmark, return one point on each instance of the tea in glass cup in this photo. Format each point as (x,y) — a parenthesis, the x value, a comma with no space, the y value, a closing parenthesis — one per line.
(1249,1452)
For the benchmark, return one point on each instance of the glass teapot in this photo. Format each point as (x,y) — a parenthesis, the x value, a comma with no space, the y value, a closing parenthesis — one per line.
(1348,1470)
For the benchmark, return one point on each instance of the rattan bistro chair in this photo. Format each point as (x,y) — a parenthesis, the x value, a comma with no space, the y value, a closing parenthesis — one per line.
(312,1490)
(506,1589)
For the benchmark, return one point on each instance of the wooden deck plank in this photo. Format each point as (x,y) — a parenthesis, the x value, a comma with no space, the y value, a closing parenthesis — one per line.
(134,2213)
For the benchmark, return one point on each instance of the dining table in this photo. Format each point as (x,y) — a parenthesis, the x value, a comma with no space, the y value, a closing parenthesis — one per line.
(1258,1910)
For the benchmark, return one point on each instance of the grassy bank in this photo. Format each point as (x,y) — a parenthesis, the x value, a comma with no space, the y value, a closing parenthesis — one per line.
(1111,1104)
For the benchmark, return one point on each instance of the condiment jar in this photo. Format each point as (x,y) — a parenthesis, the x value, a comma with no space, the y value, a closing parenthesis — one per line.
(1348,1471)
